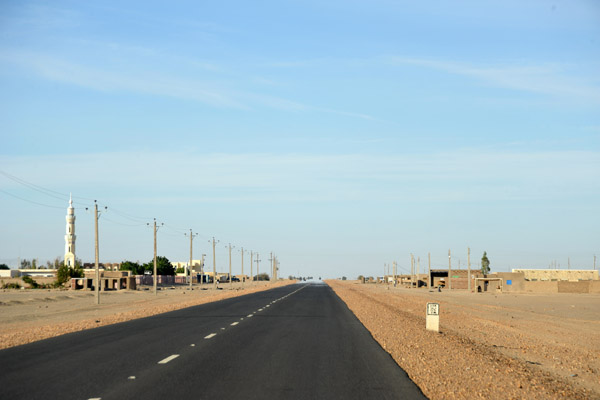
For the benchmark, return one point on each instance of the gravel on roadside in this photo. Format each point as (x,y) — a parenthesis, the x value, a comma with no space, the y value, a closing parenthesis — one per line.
(449,364)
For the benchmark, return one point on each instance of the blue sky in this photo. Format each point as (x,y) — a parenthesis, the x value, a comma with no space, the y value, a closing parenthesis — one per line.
(340,135)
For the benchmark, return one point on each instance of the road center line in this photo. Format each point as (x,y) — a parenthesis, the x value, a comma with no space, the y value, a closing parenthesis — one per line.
(166,360)
(234,323)
(210,336)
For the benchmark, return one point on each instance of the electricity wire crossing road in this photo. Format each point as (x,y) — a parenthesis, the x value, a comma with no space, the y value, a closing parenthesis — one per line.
(293,342)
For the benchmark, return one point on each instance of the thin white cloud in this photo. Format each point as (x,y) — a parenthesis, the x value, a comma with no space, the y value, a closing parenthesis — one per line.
(547,79)
(158,84)
(473,175)
(103,80)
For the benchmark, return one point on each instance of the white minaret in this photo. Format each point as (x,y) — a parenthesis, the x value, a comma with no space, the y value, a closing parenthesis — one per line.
(70,236)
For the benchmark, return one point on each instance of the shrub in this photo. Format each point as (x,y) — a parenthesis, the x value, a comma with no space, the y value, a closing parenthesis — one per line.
(29,280)
(11,285)
(262,277)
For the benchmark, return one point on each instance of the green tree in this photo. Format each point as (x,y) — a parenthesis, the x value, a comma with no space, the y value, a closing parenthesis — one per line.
(4,266)
(135,268)
(163,266)
(64,273)
(485,264)
(25,264)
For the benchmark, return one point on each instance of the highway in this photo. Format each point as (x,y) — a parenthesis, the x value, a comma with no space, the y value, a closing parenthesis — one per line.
(294,342)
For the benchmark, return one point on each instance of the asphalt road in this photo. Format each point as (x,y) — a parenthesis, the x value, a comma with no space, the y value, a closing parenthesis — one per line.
(294,342)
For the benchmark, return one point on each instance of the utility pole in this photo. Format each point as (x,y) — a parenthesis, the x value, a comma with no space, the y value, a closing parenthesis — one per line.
(97,251)
(97,255)
(594,262)
(412,270)
(418,269)
(429,273)
(257,261)
(214,263)
(449,270)
(230,276)
(202,270)
(469,269)
(272,263)
(243,277)
(192,236)
(569,262)
(154,279)
(251,266)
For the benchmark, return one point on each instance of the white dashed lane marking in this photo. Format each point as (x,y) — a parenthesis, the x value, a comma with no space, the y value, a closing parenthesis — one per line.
(166,360)
(212,335)
(234,323)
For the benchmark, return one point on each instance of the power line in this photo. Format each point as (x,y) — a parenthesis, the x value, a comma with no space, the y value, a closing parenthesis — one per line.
(122,224)
(29,201)
(47,192)
(130,216)
(41,189)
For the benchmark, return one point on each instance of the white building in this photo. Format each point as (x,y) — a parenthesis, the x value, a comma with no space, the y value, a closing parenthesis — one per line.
(196,265)
(70,236)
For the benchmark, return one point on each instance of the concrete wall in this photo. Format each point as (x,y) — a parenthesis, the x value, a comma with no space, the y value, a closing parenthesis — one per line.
(574,287)
(559,274)
(541,286)
(517,281)
(40,280)
(562,287)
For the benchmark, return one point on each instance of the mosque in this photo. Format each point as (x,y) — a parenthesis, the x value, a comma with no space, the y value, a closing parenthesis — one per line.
(70,236)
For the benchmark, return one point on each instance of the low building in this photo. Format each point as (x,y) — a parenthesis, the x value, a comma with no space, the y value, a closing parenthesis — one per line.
(9,273)
(40,273)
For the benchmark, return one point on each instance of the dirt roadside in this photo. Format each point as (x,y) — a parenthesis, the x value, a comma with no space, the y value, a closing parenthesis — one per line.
(493,346)
(35,314)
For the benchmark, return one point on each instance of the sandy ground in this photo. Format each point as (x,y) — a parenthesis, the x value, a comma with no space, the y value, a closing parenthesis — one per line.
(34,314)
(493,346)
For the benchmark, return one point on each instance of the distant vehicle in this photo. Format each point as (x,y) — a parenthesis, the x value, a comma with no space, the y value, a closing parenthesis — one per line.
(235,279)
(147,272)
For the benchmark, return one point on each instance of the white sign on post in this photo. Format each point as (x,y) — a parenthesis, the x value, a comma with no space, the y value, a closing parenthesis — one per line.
(432,319)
